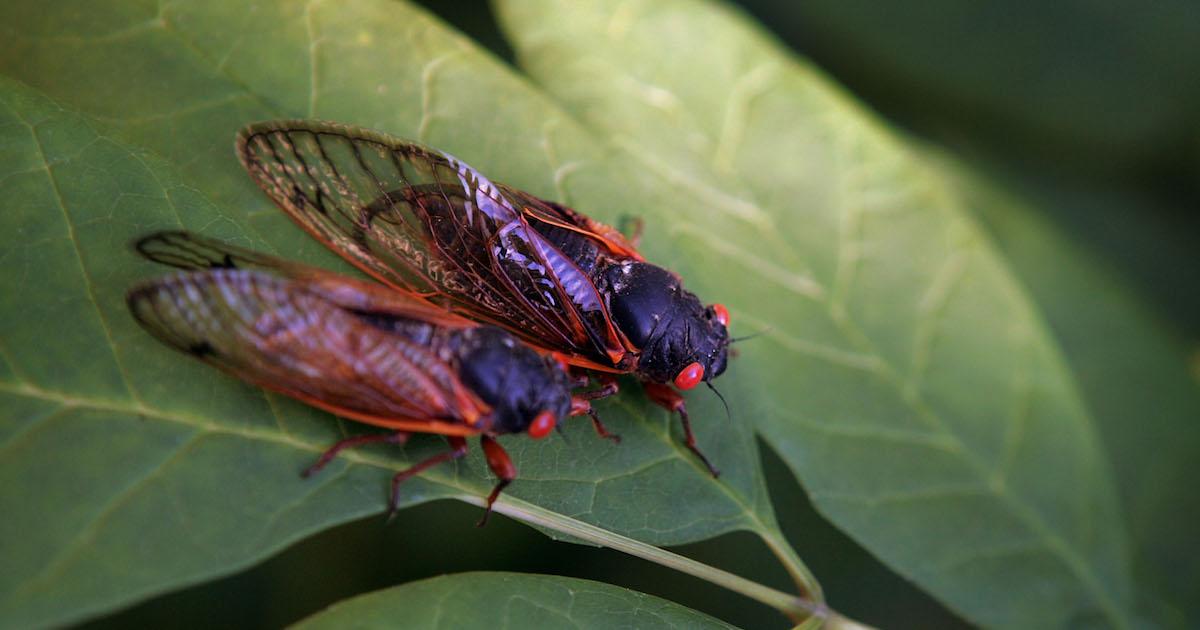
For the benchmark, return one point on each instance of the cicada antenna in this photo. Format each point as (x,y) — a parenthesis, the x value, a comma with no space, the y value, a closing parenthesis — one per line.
(750,336)
(728,415)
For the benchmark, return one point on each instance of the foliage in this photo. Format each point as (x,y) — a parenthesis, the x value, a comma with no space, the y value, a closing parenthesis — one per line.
(905,376)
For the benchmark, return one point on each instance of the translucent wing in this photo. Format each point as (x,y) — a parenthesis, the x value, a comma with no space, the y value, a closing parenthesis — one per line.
(275,333)
(423,221)
(188,251)
(607,238)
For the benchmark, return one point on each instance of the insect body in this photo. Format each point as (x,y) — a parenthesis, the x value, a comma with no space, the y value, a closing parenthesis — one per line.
(353,348)
(425,222)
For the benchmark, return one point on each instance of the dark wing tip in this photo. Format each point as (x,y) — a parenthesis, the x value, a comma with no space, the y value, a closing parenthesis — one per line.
(189,251)
(136,295)
(184,250)
(140,299)
(287,126)
(167,247)
(146,242)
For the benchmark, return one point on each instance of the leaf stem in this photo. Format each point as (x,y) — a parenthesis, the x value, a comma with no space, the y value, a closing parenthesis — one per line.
(806,582)
(796,608)
(838,622)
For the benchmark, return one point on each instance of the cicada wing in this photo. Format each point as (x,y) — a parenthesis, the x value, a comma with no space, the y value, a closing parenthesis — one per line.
(190,251)
(607,238)
(424,221)
(273,332)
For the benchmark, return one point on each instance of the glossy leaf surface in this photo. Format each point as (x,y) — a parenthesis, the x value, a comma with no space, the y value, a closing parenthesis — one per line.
(122,434)
(912,387)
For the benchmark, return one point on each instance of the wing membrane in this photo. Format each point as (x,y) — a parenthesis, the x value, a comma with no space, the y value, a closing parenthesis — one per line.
(275,333)
(189,251)
(423,221)
(606,237)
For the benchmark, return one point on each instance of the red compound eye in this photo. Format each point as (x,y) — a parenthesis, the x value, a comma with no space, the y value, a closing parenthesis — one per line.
(722,314)
(542,425)
(690,376)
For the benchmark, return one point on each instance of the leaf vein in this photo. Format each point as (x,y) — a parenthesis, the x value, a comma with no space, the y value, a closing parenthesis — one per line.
(61,561)
(83,272)
(26,431)
(1029,547)
(310,30)
(427,77)
(926,494)
(932,307)
(313,488)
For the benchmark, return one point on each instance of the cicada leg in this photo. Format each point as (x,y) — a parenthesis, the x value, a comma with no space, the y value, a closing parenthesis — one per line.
(581,406)
(458,448)
(501,464)
(398,437)
(608,387)
(671,400)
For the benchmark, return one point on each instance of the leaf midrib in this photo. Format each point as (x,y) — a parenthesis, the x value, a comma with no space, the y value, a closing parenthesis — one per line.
(208,427)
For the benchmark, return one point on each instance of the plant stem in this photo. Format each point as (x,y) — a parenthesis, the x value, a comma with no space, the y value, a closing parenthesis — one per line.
(838,622)
(805,581)
(796,608)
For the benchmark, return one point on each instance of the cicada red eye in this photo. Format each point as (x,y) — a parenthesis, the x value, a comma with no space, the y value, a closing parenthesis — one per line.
(722,314)
(542,425)
(690,376)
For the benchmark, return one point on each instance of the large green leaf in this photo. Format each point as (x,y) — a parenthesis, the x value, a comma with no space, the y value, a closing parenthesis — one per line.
(1136,374)
(127,470)
(909,383)
(130,470)
(507,600)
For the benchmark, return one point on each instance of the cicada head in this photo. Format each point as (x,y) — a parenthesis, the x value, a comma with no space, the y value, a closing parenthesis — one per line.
(527,391)
(680,340)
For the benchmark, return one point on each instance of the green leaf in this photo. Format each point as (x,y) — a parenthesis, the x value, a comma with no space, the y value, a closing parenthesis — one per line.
(907,379)
(507,600)
(130,470)
(1135,371)
(127,470)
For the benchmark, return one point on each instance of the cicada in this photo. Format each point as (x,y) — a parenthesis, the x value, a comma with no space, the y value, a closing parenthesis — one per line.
(354,348)
(426,223)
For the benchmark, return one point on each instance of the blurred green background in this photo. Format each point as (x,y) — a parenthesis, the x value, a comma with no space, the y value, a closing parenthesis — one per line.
(1088,111)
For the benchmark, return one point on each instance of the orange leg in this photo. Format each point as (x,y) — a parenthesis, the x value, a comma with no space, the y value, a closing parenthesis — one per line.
(399,437)
(608,387)
(601,430)
(671,400)
(501,464)
(581,406)
(458,448)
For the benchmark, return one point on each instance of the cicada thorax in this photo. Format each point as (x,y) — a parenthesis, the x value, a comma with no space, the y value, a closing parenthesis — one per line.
(666,327)
(516,382)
